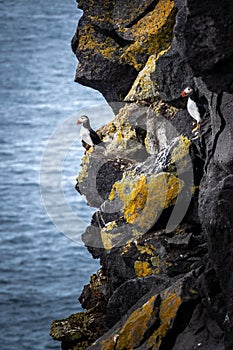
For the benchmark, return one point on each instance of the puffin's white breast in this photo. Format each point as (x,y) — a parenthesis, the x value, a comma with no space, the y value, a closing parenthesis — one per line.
(193,110)
(85,136)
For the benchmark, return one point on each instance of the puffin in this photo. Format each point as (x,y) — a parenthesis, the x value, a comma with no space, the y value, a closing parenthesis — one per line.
(88,135)
(194,106)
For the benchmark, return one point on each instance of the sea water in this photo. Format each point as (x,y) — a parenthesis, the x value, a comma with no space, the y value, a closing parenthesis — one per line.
(42,271)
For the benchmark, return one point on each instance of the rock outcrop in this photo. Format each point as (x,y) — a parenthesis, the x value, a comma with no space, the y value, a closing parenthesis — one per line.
(114,40)
(163,229)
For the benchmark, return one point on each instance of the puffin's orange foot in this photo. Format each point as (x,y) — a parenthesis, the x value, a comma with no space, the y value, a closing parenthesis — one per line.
(197,127)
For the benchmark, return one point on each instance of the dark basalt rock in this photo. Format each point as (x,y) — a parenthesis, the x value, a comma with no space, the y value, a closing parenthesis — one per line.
(216,208)
(129,293)
(102,174)
(173,72)
(202,332)
(114,89)
(207,33)
(97,69)
(208,42)
(172,75)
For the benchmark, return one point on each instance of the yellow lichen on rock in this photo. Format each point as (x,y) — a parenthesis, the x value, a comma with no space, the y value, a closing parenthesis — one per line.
(151,34)
(143,87)
(133,194)
(144,197)
(136,325)
(182,150)
(124,131)
(150,263)
(124,134)
(84,170)
(110,225)
(180,154)
(120,135)
(142,268)
(165,109)
(145,248)
(171,301)
(142,319)
(156,263)
(109,240)
(89,40)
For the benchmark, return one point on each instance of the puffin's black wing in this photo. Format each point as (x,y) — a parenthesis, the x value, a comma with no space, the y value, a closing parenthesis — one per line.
(200,102)
(201,107)
(95,137)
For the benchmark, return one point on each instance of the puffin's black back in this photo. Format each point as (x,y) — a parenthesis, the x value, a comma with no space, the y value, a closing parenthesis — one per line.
(95,137)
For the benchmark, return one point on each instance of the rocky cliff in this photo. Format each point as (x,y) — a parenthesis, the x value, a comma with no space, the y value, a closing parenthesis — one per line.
(163,229)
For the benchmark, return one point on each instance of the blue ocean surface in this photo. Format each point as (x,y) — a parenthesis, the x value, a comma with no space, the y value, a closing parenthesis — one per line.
(42,272)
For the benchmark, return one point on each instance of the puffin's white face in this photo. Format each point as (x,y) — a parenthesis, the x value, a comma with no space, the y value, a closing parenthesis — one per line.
(187,91)
(82,119)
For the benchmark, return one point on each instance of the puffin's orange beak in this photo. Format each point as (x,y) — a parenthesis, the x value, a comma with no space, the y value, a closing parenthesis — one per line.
(183,94)
(78,122)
